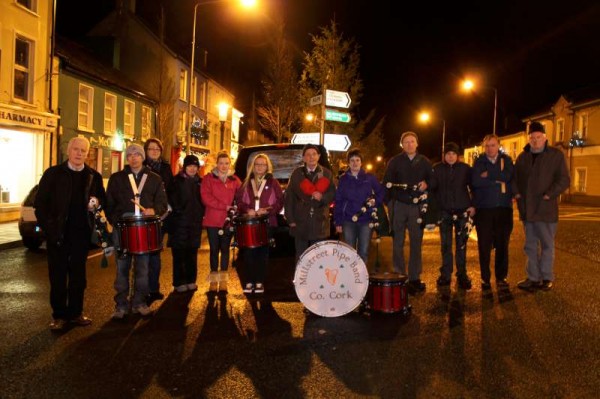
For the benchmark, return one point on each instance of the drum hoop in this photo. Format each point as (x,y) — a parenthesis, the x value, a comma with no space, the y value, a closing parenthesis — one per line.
(388,277)
(243,220)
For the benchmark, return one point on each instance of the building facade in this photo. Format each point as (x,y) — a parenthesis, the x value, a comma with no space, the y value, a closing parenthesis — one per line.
(27,120)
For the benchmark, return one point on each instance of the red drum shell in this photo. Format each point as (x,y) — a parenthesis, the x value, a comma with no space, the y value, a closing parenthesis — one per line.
(387,293)
(139,235)
(252,232)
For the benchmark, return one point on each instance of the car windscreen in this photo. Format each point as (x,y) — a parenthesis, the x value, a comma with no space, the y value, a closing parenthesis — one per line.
(284,161)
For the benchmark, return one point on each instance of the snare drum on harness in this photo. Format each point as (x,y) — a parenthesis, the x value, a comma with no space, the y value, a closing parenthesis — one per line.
(331,279)
(139,235)
(252,232)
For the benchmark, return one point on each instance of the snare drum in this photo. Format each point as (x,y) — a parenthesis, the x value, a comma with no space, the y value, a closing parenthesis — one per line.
(252,232)
(139,235)
(387,293)
(331,279)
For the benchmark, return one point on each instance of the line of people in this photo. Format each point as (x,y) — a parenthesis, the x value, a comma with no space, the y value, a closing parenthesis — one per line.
(189,203)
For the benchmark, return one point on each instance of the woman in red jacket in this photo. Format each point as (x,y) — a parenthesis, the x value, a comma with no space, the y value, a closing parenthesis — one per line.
(218,193)
(259,196)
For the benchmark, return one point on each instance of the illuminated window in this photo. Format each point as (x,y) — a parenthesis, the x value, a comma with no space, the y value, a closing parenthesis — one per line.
(85,107)
(22,69)
(146,122)
(129,119)
(580,179)
(583,126)
(560,130)
(110,113)
(202,101)
(181,121)
(182,85)
(194,94)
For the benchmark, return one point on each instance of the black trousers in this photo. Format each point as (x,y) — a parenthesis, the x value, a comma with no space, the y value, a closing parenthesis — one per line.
(255,264)
(185,266)
(66,268)
(494,226)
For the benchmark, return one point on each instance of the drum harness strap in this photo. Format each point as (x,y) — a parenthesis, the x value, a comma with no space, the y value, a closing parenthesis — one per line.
(137,190)
(257,194)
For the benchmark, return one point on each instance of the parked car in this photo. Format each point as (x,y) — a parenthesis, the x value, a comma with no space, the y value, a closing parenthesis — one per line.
(31,233)
(285,158)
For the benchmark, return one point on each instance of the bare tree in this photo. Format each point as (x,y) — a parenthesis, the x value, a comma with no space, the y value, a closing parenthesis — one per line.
(280,107)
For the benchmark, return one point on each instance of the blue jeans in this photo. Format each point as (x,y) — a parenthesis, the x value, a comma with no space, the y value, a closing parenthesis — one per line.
(539,248)
(358,236)
(218,244)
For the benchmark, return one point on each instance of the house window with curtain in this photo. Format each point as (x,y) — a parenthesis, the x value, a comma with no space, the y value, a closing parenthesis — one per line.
(110,113)
(583,126)
(129,119)
(23,67)
(183,85)
(85,107)
(146,122)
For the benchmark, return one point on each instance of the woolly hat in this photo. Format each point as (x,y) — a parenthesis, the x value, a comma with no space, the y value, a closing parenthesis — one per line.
(135,148)
(451,147)
(536,127)
(190,160)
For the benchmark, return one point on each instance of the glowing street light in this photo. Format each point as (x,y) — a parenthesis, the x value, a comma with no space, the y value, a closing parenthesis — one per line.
(244,4)
(425,117)
(468,86)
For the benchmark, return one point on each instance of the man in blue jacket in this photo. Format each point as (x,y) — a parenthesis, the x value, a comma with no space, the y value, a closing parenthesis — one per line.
(491,182)
(541,175)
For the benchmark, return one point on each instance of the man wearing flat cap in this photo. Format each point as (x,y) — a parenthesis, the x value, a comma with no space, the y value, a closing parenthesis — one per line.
(541,175)
(135,190)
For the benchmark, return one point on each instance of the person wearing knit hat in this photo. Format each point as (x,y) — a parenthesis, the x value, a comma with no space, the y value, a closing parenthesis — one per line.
(139,192)
(185,225)
(451,188)
(541,176)
(154,148)
(408,175)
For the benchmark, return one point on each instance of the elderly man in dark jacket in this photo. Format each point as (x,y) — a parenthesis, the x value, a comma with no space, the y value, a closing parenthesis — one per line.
(62,206)
(309,193)
(138,183)
(541,175)
(452,183)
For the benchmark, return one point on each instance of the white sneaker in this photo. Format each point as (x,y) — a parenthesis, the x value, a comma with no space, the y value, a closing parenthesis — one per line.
(119,314)
(181,288)
(248,288)
(142,309)
(192,287)
(259,288)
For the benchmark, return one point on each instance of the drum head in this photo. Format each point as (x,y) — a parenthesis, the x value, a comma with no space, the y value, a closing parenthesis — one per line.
(132,219)
(252,219)
(331,279)
(388,277)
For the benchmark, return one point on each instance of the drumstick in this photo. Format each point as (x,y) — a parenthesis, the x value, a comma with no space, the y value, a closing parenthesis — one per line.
(138,204)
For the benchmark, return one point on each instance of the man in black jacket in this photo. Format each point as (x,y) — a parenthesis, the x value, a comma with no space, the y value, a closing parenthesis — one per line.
(408,175)
(154,148)
(541,175)
(66,195)
(135,183)
(452,181)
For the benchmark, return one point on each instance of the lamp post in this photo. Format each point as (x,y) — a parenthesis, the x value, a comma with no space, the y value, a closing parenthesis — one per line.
(424,117)
(190,119)
(468,85)
(223,110)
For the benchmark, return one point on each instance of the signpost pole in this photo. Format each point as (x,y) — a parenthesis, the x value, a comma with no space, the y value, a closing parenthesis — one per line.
(323,114)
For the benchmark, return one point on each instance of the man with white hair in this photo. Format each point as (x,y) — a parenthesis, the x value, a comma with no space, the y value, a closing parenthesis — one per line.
(135,188)
(63,205)
(541,175)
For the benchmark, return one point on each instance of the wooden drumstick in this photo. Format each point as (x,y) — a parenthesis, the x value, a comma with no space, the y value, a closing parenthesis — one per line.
(138,204)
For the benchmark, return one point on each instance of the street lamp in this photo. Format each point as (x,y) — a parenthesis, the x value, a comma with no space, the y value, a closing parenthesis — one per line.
(244,4)
(223,111)
(424,117)
(468,86)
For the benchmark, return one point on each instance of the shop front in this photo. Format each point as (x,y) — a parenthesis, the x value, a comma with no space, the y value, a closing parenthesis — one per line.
(25,152)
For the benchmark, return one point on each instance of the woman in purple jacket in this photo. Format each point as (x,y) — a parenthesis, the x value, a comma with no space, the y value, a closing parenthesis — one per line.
(355,189)
(260,195)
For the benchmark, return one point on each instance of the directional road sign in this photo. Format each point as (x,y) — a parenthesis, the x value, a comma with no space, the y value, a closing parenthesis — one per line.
(333,142)
(337,116)
(316,100)
(339,99)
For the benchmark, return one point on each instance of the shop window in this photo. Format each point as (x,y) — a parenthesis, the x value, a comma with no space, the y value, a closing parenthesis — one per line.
(23,67)
(182,84)
(129,119)
(146,122)
(85,107)
(580,179)
(110,113)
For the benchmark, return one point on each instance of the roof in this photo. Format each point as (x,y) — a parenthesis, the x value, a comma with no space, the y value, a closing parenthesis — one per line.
(77,58)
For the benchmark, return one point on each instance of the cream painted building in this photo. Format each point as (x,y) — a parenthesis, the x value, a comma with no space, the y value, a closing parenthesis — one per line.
(27,121)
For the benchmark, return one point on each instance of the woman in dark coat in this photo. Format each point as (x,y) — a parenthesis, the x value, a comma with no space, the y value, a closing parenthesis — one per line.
(185,224)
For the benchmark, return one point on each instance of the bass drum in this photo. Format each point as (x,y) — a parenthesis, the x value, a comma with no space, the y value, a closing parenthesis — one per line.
(331,280)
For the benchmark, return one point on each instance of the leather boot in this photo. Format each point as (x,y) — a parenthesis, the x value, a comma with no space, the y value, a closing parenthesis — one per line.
(223,278)
(213,279)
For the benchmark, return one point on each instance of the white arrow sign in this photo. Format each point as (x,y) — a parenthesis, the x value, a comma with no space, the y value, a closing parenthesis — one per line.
(339,99)
(333,142)
(316,100)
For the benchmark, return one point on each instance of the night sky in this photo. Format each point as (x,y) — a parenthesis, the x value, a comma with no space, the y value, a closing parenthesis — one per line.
(413,54)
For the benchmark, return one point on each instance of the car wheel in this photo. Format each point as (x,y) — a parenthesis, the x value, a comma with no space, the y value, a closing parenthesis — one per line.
(32,243)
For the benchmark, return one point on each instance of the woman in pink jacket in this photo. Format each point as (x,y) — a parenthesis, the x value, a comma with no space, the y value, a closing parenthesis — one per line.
(218,193)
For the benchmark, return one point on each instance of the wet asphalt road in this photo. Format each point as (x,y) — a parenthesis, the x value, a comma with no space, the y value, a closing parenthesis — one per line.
(500,344)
